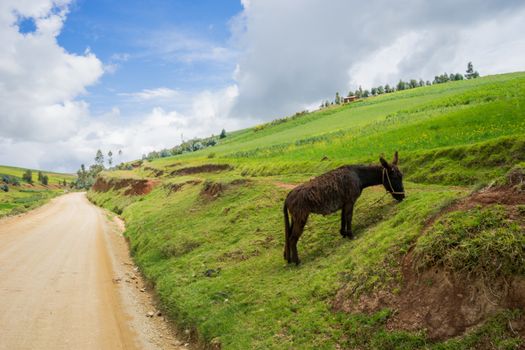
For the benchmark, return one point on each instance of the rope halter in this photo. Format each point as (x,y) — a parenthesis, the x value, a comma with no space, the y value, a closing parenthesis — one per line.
(389,183)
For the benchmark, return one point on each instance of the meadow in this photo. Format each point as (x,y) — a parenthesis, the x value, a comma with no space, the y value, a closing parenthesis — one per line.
(211,242)
(22,197)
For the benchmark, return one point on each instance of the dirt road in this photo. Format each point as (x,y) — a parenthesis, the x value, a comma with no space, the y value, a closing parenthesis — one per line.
(66,282)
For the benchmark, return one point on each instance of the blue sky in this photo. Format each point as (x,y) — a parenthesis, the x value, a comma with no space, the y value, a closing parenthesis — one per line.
(82,75)
(135,37)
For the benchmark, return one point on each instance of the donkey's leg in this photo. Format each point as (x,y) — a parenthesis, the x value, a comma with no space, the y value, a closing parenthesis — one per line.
(287,248)
(348,212)
(343,222)
(297,231)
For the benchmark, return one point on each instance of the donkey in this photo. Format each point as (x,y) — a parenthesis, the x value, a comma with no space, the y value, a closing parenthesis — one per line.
(337,189)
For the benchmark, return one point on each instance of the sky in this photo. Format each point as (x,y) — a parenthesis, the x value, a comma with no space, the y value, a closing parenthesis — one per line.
(142,75)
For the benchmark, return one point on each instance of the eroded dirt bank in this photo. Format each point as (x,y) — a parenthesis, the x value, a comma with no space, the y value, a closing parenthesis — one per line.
(66,282)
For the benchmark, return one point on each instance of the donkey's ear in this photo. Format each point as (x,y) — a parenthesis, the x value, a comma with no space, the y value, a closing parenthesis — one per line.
(396,159)
(384,163)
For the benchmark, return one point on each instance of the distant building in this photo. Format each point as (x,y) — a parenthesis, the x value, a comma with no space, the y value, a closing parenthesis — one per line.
(349,99)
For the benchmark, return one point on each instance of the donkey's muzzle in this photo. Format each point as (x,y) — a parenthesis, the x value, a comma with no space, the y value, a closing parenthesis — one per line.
(399,197)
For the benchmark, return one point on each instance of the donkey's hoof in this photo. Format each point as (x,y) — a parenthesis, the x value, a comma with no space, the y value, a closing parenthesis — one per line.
(347,234)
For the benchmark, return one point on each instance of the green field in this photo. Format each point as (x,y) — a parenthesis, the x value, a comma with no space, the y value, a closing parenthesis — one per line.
(211,243)
(24,197)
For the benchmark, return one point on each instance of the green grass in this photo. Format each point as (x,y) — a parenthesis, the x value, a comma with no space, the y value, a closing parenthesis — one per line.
(54,178)
(217,262)
(479,242)
(25,197)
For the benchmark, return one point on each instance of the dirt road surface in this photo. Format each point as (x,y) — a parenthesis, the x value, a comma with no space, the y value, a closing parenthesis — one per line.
(67,282)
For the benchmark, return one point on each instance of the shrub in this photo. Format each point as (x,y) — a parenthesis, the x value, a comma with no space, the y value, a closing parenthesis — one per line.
(28,176)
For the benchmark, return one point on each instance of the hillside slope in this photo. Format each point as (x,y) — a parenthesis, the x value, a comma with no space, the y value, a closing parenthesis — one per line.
(22,196)
(206,227)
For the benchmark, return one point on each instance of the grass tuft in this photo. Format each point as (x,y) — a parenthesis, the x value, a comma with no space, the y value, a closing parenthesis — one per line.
(479,242)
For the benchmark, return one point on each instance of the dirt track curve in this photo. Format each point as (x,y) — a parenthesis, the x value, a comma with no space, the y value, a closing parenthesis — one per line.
(66,282)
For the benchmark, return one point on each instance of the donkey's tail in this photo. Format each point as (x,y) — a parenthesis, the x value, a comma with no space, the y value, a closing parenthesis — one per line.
(287,227)
(287,234)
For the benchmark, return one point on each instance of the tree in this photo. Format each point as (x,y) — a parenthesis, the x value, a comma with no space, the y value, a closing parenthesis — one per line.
(359,92)
(471,73)
(413,83)
(458,76)
(223,134)
(374,91)
(43,179)
(99,158)
(388,89)
(337,98)
(421,83)
(28,176)
(366,93)
(429,83)
(380,90)
(401,85)
(110,158)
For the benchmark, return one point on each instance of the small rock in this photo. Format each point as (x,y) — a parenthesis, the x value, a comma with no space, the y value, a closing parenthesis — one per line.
(150,314)
(215,343)
(212,272)
(187,331)
(159,313)
(142,290)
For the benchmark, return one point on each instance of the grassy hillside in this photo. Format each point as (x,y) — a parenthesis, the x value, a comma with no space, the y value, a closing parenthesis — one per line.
(210,238)
(22,196)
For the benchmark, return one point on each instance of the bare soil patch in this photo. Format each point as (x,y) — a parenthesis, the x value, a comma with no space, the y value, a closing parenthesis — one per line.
(504,195)
(212,190)
(284,185)
(137,164)
(154,171)
(134,187)
(443,303)
(206,168)
(175,187)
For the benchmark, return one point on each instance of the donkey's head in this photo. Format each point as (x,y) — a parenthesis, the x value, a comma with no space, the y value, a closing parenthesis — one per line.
(393,178)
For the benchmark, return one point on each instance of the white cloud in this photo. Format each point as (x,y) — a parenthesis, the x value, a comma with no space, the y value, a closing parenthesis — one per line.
(295,53)
(204,114)
(39,81)
(290,55)
(152,94)
(174,45)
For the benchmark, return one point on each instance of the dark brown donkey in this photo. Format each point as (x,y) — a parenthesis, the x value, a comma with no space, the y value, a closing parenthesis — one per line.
(334,190)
